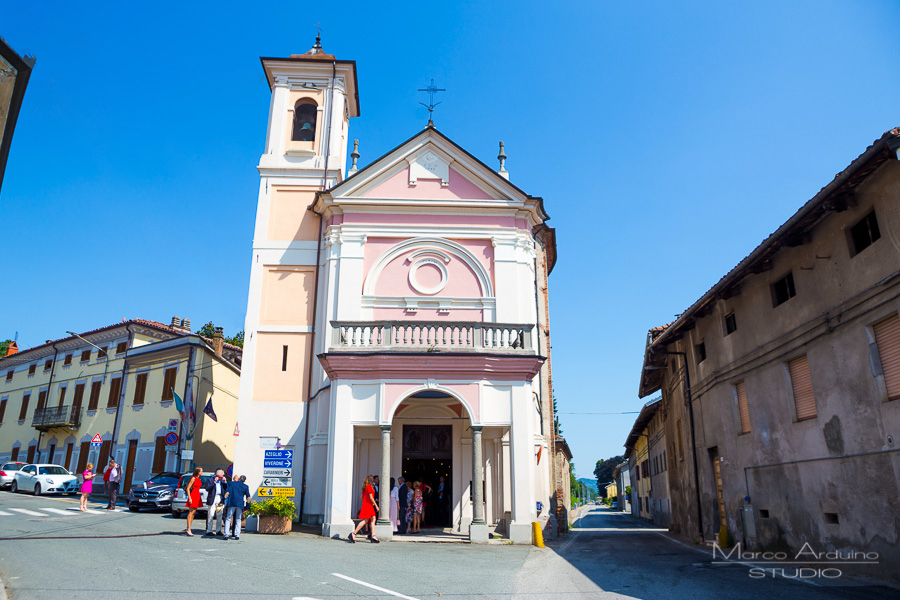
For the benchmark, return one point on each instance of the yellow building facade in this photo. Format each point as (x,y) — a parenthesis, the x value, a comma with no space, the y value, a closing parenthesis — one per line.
(119,382)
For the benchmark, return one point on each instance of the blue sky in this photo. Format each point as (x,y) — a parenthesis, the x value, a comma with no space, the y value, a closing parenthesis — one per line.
(667,139)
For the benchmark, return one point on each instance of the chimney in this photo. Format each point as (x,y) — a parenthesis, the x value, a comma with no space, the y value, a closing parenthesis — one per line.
(12,349)
(219,341)
(176,322)
(186,324)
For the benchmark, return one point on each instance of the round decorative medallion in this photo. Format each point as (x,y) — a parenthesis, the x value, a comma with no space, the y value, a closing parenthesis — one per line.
(423,286)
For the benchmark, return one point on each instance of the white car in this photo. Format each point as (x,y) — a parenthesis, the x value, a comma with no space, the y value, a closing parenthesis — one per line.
(8,471)
(45,479)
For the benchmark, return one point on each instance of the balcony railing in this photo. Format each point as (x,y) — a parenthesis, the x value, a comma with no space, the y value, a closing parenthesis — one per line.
(431,336)
(57,416)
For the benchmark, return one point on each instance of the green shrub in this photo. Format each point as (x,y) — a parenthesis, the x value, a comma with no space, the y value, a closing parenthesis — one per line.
(281,506)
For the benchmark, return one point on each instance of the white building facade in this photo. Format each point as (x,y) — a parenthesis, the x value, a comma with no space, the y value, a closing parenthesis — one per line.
(397,320)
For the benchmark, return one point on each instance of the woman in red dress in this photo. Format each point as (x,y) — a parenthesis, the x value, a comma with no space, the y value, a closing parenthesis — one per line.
(367,512)
(193,497)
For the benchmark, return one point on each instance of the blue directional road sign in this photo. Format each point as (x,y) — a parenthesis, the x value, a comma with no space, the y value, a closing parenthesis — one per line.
(288,454)
(278,462)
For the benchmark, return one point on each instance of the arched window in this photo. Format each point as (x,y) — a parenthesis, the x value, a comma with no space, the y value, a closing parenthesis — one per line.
(304,121)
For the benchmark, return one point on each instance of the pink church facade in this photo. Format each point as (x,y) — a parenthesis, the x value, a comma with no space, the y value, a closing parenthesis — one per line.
(397,320)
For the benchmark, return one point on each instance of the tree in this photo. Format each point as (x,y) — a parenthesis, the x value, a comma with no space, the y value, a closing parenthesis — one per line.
(209,330)
(604,470)
(3,346)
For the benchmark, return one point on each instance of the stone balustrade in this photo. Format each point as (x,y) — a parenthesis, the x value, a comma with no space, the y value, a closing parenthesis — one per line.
(432,336)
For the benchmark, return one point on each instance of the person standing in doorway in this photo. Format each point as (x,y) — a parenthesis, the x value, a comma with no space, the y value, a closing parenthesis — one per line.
(443,496)
(395,505)
(410,499)
(367,512)
(114,478)
(236,495)
(87,485)
(215,503)
(418,507)
(401,504)
(192,490)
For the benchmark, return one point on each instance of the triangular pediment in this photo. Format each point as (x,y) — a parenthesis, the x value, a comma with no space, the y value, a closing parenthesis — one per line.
(428,167)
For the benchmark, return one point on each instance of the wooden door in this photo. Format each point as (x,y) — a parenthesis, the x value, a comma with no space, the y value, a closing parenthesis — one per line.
(68,463)
(103,461)
(83,457)
(30,458)
(51,454)
(129,466)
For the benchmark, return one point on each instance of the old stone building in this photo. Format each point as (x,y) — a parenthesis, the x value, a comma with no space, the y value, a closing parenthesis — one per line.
(780,385)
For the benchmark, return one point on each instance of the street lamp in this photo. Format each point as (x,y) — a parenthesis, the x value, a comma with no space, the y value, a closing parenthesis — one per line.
(99,349)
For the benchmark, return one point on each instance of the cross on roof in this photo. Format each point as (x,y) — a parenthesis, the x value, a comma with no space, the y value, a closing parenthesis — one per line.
(431,90)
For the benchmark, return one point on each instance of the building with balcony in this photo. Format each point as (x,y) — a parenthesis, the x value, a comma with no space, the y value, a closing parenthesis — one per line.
(397,321)
(119,382)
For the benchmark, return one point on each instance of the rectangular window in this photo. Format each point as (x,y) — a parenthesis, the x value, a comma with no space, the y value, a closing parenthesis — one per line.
(801,386)
(68,360)
(15,454)
(102,352)
(32,369)
(2,409)
(115,387)
(730,323)
(284,358)
(783,290)
(887,339)
(680,442)
(9,375)
(85,356)
(62,396)
(159,455)
(700,350)
(740,391)
(140,387)
(23,411)
(120,347)
(48,365)
(169,383)
(83,452)
(42,399)
(864,234)
(79,395)
(94,400)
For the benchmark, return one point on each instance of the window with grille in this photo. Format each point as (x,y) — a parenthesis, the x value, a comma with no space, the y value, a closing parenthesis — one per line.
(740,390)
(801,387)
(140,387)
(887,339)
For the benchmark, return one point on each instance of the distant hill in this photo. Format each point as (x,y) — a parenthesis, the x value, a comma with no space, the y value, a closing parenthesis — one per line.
(591,483)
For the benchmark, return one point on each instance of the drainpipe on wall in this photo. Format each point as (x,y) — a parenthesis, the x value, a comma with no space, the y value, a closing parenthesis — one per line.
(115,433)
(690,403)
(312,346)
(47,400)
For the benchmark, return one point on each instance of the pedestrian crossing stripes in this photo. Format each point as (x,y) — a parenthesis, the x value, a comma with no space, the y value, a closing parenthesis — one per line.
(52,512)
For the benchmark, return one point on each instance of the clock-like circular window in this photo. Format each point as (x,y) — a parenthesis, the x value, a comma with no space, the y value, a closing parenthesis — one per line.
(428,276)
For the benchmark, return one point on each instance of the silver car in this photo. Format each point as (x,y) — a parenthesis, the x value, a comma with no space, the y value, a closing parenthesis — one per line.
(8,473)
(179,502)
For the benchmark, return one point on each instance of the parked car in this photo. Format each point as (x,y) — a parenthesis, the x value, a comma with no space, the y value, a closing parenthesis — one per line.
(157,492)
(179,502)
(8,472)
(45,479)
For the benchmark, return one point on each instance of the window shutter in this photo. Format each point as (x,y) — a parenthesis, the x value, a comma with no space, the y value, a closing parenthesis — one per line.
(887,338)
(95,395)
(42,399)
(23,412)
(2,410)
(744,409)
(801,385)
(83,457)
(114,388)
(140,386)
(79,395)
(159,455)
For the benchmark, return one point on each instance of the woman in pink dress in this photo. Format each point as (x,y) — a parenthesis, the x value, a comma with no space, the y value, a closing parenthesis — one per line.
(87,485)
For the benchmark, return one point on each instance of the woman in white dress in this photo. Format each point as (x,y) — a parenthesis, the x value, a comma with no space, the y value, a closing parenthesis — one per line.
(395,504)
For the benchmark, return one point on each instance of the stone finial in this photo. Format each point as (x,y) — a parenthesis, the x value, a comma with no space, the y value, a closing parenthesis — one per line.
(502,156)
(355,156)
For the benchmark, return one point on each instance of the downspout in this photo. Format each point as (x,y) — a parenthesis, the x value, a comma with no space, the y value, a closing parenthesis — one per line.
(687,398)
(312,353)
(47,402)
(115,434)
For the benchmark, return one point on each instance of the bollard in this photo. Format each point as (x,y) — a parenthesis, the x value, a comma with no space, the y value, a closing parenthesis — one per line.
(538,535)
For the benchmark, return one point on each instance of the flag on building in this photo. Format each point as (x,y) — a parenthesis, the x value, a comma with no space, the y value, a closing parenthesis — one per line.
(179,404)
(209,410)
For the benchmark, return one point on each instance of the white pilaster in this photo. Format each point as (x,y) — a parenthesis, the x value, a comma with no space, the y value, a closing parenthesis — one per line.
(338,472)
(522,459)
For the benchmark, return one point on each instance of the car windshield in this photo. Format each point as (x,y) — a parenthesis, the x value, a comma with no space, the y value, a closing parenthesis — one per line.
(52,471)
(13,466)
(163,479)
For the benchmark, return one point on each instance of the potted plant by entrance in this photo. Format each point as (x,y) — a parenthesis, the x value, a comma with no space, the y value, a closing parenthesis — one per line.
(275,514)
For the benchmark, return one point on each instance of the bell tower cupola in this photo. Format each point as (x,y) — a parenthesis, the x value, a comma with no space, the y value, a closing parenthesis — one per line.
(313,97)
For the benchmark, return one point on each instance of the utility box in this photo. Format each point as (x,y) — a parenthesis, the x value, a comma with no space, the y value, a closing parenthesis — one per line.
(749,523)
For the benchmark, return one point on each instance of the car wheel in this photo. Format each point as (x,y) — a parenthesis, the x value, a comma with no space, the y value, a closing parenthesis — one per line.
(37,489)
(14,488)
(176,514)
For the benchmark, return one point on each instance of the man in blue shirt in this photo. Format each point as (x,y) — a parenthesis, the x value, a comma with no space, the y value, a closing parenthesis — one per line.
(236,495)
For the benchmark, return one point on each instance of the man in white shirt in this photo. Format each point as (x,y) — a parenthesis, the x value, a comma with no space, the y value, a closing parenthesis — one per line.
(215,503)
(114,473)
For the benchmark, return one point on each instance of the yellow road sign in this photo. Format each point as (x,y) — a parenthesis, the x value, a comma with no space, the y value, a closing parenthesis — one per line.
(266,492)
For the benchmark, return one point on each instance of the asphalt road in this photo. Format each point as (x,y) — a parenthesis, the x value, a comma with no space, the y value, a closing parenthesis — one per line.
(49,550)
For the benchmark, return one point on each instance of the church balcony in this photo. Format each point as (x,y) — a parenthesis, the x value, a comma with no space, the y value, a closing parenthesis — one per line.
(432,336)
(57,416)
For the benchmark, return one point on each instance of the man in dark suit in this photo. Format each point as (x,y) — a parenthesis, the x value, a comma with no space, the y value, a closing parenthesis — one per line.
(401,499)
